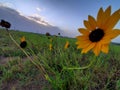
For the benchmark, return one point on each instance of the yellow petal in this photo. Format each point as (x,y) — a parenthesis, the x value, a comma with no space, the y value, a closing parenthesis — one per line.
(105,48)
(83,31)
(115,34)
(97,48)
(106,16)
(83,44)
(50,47)
(112,21)
(99,16)
(82,38)
(66,45)
(87,25)
(22,39)
(92,22)
(105,40)
(108,11)
(112,34)
(86,49)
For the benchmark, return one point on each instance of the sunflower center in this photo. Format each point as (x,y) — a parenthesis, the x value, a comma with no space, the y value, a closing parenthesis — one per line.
(96,35)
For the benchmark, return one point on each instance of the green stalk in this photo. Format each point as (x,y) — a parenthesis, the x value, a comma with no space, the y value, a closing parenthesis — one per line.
(80,68)
(39,67)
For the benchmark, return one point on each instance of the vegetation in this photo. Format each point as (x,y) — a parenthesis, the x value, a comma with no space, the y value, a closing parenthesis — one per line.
(56,68)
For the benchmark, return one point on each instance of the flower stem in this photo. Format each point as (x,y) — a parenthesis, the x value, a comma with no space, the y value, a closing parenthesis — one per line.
(80,68)
(39,67)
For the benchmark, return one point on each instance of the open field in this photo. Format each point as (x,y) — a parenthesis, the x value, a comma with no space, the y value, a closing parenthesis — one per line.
(17,72)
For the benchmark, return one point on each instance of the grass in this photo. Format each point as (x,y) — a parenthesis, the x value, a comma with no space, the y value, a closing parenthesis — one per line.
(18,73)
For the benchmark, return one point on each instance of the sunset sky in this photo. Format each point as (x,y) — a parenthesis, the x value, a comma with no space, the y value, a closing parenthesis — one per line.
(68,15)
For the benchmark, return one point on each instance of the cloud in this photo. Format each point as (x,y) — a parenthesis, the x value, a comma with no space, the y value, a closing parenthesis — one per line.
(39,19)
(38,9)
(6,4)
(35,17)
(22,23)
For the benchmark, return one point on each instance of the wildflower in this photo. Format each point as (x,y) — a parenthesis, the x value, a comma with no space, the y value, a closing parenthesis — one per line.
(66,45)
(23,43)
(59,34)
(48,34)
(5,24)
(51,39)
(98,33)
(50,47)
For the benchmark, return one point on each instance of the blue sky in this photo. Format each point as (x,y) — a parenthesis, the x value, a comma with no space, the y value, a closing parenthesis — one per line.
(66,14)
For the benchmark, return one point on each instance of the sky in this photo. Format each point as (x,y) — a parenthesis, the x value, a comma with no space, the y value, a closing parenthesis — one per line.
(68,15)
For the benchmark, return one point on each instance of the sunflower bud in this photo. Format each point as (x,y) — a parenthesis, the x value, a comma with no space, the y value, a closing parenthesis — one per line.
(23,43)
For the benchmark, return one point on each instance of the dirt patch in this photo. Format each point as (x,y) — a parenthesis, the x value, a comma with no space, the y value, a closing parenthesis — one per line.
(14,85)
(4,60)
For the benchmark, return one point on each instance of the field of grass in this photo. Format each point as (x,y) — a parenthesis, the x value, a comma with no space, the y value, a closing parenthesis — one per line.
(56,69)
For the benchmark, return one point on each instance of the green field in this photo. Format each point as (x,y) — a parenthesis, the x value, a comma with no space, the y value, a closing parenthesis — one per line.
(56,69)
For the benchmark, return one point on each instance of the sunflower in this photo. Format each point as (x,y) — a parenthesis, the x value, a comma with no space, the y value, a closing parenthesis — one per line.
(67,45)
(50,47)
(98,32)
(23,43)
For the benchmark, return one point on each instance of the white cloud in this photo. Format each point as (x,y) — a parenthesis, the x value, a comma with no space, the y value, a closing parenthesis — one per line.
(19,22)
(39,19)
(35,17)
(6,4)
(38,15)
(11,6)
(38,9)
